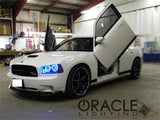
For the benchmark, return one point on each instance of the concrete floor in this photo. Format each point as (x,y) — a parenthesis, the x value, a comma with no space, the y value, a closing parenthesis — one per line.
(15,106)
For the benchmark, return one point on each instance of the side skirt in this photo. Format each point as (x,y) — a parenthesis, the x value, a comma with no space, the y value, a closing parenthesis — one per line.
(93,81)
(121,73)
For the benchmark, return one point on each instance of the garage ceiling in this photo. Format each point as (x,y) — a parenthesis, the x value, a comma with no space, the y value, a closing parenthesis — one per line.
(7,3)
(64,7)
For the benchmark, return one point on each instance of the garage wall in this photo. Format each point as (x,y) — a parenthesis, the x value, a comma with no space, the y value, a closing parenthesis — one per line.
(137,4)
(144,21)
(30,16)
(42,17)
(37,16)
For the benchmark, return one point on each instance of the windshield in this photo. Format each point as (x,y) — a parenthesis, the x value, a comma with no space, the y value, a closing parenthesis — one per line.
(76,44)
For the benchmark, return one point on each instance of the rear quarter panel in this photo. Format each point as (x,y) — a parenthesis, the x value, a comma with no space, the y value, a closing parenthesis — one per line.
(128,57)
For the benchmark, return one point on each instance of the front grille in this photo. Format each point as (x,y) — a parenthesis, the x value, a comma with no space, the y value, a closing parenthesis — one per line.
(24,70)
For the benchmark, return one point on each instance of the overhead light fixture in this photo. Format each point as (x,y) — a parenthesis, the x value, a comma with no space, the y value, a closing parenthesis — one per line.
(92,9)
(86,11)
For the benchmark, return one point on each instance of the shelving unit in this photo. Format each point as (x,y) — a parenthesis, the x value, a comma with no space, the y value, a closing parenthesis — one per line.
(6,24)
(6,33)
(3,18)
(7,56)
(56,34)
(59,36)
(35,30)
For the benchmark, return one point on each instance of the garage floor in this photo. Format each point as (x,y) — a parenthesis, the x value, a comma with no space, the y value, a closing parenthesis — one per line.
(15,106)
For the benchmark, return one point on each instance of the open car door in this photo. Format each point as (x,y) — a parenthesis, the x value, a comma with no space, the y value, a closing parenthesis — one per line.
(50,40)
(112,35)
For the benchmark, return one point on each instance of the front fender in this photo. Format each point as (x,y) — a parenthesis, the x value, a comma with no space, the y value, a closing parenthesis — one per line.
(88,59)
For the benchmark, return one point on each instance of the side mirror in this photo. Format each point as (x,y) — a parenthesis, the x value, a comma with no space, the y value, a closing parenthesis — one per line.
(99,39)
(40,42)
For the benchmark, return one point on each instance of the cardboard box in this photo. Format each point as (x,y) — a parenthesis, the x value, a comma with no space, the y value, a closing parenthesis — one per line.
(2,64)
(8,30)
(65,30)
(6,12)
(62,30)
(56,30)
(0,9)
(42,26)
(5,30)
(1,14)
(68,30)
(2,29)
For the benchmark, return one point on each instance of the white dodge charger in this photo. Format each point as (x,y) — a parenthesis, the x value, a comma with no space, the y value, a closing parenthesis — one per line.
(74,65)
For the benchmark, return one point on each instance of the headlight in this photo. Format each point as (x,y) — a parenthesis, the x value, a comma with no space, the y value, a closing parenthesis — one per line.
(51,69)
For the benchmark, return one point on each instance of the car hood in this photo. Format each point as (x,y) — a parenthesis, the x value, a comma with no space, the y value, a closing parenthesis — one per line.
(46,58)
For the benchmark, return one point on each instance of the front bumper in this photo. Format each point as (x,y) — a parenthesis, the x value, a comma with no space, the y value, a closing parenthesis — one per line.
(41,84)
(33,91)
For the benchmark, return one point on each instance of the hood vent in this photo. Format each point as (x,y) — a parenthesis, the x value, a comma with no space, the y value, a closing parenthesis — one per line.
(32,56)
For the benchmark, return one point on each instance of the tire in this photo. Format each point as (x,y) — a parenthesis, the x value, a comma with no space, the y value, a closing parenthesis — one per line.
(78,81)
(136,69)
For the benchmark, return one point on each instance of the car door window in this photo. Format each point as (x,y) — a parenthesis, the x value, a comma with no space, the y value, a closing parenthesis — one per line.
(77,44)
(106,21)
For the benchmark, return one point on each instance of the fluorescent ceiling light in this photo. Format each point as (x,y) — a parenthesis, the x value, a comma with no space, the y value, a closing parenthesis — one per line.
(92,9)
(86,11)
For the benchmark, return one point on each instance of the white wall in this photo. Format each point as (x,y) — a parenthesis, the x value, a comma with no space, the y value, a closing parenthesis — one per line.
(138,4)
(144,21)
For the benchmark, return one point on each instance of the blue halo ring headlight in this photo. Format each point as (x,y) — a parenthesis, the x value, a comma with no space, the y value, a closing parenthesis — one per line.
(55,68)
(51,69)
(47,68)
